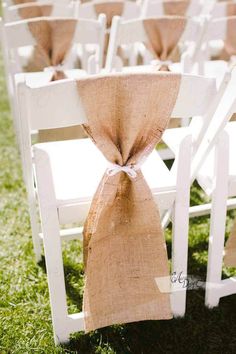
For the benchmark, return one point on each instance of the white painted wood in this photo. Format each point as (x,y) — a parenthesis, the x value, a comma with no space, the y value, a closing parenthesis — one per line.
(181,225)
(218,219)
(50,115)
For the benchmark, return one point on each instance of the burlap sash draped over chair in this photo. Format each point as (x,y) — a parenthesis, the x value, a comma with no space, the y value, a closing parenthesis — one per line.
(54,39)
(177,7)
(124,246)
(163,37)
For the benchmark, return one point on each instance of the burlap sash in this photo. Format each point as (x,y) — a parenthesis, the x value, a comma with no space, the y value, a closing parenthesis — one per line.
(177,7)
(35,10)
(124,246)
(164,35)
(53,40)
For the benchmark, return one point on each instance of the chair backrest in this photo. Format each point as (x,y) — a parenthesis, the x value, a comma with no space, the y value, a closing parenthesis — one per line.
(17,34)
(156,8)
(133,31)
(131,9)
(13,13)
(45,107)
(41,107)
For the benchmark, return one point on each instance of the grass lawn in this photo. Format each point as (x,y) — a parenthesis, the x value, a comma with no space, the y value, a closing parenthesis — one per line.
(25,323)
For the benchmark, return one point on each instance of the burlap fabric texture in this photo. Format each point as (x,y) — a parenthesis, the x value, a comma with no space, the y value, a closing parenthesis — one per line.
(124,246)
(164,35)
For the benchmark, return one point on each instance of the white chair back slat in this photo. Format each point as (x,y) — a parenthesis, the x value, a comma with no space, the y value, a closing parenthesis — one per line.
(18,34)
(46,113)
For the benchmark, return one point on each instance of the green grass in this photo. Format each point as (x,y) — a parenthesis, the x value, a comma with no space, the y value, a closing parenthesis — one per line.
(25,322)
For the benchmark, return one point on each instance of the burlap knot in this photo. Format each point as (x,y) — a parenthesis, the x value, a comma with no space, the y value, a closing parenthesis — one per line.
(164,35)
(124,246)
(175,7)
(230,41)
(54,40)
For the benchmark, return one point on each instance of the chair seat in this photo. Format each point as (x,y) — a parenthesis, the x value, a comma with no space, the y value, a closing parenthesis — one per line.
(173,137)
(215,69)
(205,176)
(78,166)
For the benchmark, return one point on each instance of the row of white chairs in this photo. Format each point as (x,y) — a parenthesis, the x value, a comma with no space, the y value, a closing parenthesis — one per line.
(60,175)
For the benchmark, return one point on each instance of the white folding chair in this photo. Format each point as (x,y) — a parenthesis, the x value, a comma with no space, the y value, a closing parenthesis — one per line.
(66,180)
(17,36)
(133,32)
(155,8)
(13,13)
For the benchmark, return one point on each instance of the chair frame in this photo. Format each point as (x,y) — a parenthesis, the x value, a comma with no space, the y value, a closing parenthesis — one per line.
(63,323)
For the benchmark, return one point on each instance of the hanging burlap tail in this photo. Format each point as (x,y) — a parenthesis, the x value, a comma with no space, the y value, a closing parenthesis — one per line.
(54,40)
(34,10)
(124,246)
(177,7)
(163,37)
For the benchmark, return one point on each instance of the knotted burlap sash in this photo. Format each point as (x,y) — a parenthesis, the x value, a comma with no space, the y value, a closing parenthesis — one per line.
(124,246)
(177,7)
(163,37)
(54,39)
(34,10)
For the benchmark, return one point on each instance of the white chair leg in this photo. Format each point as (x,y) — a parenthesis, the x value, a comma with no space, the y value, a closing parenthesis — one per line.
(52,247)
(180,229)
(35,230)
(217,226)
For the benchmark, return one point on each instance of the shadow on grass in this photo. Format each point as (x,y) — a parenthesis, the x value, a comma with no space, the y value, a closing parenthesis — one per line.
(201,331)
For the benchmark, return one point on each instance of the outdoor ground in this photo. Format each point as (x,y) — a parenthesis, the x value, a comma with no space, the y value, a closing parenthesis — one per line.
(25,322)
